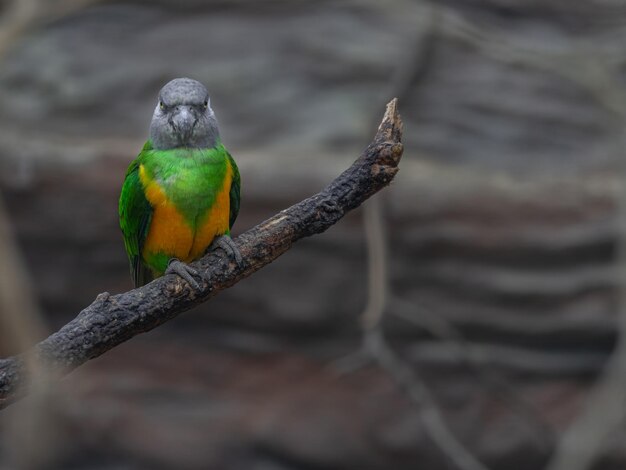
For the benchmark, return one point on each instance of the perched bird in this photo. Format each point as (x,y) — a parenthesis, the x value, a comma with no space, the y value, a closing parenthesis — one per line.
(181,194)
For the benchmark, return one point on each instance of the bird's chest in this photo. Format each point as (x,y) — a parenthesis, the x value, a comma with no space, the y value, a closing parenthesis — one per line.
(192,193)
(190,207)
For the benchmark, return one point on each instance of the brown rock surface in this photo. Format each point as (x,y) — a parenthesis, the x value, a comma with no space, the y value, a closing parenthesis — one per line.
(501,222)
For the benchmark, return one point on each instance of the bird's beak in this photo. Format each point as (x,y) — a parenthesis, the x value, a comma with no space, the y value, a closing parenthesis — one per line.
(184,121)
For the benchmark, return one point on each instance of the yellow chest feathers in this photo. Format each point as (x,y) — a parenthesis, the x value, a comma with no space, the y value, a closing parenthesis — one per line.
(169,233)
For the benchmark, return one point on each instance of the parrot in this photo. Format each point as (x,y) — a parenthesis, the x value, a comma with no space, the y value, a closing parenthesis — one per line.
(181,195)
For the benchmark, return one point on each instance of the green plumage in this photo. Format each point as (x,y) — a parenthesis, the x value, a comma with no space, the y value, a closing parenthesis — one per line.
(191,179)
(135,214)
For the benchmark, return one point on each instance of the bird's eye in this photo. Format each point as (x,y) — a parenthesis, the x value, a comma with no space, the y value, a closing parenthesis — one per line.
(161,105)
(206,104)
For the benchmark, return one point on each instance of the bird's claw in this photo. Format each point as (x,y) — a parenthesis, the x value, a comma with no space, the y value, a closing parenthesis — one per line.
(228,245)
(175,266)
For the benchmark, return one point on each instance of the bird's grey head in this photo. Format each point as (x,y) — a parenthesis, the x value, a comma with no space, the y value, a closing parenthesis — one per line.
(183,117)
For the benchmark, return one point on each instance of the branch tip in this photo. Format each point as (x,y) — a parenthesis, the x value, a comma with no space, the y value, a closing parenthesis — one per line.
(390,128)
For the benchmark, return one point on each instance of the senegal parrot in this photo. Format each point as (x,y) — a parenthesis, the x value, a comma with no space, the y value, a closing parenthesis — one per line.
(181,194)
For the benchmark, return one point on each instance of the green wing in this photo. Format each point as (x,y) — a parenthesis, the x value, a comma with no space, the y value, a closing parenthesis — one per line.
(135,216)
(235,187)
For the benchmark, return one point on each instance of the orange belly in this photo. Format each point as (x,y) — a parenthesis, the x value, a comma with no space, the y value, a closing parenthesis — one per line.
(170,234)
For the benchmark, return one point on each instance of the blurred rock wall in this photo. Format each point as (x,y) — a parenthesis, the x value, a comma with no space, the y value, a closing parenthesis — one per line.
(501,223)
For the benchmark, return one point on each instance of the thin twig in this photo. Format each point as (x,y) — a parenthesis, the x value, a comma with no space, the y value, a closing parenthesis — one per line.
(417,390)
(422,316)
(21,325)
(21,322)
(375,345)
(21,16)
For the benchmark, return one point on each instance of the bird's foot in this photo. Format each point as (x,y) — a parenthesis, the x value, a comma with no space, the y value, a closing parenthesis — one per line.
(228,245)
(176,266)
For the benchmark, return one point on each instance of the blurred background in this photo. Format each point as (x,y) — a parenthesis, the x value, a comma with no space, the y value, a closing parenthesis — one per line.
(497,344)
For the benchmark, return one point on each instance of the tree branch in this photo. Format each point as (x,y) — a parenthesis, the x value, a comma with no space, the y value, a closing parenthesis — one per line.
(113,319)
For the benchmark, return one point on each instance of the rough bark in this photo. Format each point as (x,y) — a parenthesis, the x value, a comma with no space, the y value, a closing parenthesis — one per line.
(113,319)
